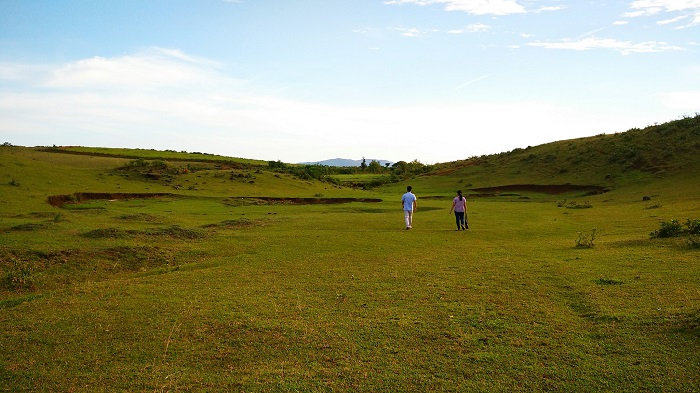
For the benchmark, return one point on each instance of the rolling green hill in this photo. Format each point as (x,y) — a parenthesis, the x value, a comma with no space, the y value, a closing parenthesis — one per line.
(637,155)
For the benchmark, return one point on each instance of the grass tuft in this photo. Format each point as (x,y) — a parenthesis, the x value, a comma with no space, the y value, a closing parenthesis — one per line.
(585,240)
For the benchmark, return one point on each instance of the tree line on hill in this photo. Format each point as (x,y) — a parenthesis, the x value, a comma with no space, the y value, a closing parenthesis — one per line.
(399,171)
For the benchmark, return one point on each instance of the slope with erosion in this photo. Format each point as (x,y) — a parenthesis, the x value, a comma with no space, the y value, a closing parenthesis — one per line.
(32,176)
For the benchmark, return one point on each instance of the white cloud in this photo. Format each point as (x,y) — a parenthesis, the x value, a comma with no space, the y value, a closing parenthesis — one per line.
(473,28)
(621,22)
(476,7)
(624,47)
(190,106)
(672,20)
(550,8)
(413,32)
(688,9)
(156,68)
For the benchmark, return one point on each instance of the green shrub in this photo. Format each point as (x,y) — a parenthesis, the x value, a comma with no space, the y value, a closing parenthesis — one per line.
(668,229)
(693,226)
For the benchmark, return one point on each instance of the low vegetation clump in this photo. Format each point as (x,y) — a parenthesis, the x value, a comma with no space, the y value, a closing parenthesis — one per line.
(579,205)
(234,224)
(693,241)
(693,226)
(105,233)
(574,204)
(585,240)
(19,276)
(173,231)
(154,169)
(28,227)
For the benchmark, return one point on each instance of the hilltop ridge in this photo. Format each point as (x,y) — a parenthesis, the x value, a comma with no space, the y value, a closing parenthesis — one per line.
(346,162)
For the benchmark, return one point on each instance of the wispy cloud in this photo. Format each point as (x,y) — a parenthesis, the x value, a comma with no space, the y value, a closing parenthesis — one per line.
(473,28)
(624,47)
(154,68)
(413,32)
(479,7)
(465,84)
(685,9)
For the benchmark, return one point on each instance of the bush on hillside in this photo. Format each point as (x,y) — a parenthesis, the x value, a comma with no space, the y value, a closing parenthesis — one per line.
(153,168)
(668,229)
(693,226)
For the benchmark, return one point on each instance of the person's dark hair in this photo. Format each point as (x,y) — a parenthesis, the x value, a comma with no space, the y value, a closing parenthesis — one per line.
(409,188)
(459,192)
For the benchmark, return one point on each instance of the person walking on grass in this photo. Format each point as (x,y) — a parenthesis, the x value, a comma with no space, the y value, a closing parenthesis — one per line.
(408,201)
(459,205)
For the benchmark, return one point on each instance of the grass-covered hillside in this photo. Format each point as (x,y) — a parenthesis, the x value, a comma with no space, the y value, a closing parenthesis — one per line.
(626,158)
(147,271)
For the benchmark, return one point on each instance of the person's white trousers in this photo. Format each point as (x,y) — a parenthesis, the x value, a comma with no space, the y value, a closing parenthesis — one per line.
(408,217)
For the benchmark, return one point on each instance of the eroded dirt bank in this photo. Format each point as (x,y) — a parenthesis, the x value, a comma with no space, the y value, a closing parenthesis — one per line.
(79,197)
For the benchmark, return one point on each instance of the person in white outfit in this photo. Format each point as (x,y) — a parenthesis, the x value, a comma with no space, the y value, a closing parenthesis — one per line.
(408,201)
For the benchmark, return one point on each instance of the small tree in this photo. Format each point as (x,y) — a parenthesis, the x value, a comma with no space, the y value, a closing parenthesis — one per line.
(374,167)
(364,164)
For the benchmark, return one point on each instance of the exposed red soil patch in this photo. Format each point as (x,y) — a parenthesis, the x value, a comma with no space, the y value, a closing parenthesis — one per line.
(544,189)
(79,197)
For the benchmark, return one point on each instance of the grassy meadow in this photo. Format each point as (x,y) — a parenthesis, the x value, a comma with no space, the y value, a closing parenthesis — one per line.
(247,279)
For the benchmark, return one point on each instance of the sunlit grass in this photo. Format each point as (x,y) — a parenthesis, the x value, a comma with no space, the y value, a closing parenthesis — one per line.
(200,291)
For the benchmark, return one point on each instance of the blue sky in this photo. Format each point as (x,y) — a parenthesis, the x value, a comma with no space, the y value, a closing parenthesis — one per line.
(433,80)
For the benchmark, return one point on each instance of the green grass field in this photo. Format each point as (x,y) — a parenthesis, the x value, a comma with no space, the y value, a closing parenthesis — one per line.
(201,289)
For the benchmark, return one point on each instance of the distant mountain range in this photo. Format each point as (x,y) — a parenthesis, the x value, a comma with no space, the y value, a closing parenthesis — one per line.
(347,162)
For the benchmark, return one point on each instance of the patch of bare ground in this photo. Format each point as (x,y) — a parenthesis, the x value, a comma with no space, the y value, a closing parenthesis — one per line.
(79,197)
